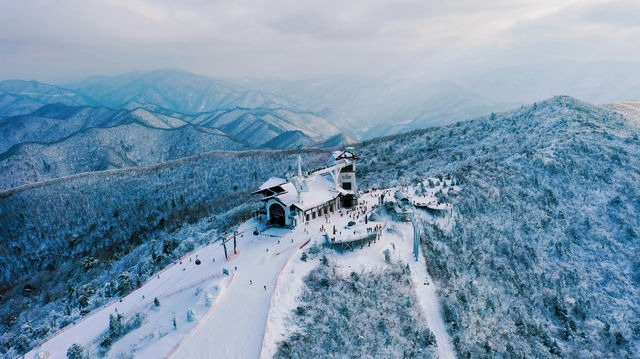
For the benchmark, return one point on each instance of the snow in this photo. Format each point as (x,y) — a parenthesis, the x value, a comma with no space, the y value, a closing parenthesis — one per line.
(272,182)
(175,283)
(399,241)
(426,292)
(321,190)
(236,328)
(242,315)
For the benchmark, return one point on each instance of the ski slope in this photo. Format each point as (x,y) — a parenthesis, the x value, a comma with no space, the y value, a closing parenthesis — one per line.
(243,314)
(236,328)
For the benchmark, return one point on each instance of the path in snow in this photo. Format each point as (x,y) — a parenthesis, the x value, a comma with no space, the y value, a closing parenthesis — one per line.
(235,329)
(245,321)
(428,297)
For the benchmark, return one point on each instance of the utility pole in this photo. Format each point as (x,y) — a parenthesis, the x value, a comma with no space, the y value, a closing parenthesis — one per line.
(235,241)
(235,251)
(224,245)
(416,236)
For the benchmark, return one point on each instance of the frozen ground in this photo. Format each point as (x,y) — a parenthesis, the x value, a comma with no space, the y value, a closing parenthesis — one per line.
(244,314)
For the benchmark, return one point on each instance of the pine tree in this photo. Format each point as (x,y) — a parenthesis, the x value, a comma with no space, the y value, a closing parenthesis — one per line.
(76,351)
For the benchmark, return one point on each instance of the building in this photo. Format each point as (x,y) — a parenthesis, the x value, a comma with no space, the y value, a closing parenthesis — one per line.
(303,198)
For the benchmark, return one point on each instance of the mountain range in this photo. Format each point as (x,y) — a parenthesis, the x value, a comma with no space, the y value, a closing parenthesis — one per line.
(128,111)
(59,140)
(540,257)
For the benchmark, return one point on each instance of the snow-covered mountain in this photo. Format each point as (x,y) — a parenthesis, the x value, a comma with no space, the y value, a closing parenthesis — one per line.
(630,109)
(298,139)
(18,97)
(176,90)
(52,123)
(369,108)
(96,149)
(290,139)
(255,127)
(364,107)
(59,140)
(339,140)
(541,260)
(258,126)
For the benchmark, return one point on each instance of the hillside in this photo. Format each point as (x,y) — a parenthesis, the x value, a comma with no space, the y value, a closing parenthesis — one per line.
(289,139)
(97,149)
(629,109)
(338,141)
(261,125)
(543,259)
(90,228)
(54,122)
(59,140)
(18,97)
(51,123)
(176,90)
(371,108)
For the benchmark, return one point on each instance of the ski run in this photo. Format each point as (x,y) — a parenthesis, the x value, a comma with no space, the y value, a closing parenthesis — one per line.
(238,307)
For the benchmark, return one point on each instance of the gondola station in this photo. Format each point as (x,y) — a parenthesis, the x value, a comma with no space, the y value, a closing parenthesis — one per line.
(303,198)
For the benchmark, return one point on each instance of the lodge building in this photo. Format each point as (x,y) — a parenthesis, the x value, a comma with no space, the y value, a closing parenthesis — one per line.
(303,198)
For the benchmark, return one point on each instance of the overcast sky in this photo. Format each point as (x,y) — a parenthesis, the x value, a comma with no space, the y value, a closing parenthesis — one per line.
(56,40)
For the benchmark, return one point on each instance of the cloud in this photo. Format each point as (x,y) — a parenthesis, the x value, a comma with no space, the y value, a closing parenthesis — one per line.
(72,38)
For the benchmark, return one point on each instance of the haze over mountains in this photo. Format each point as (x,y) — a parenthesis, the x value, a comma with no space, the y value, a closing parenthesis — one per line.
(111,121)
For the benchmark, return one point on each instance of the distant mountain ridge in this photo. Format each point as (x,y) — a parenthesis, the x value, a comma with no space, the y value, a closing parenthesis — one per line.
(58,140)
(19,97)
(177,90)
(369,108)
(361,107)
(95,149)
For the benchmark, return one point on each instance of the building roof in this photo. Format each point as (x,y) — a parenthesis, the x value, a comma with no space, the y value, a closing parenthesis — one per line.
(338,155)
(307,192)
(321,189)
(272,182)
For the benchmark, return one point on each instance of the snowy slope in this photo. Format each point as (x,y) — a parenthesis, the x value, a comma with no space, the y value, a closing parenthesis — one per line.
(289,139)
(97,149)
(398,239)
(176,90)
(18,97)
(235,322)
(630,109)
(260,125)
(543,259)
